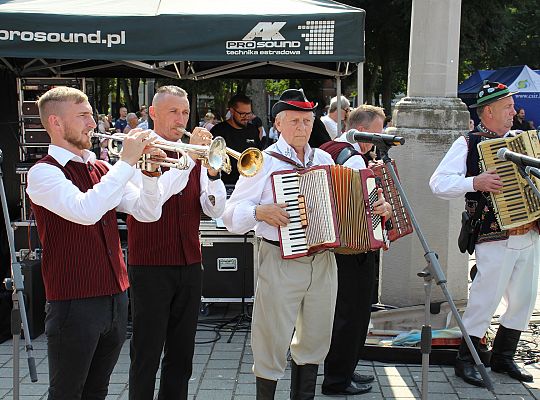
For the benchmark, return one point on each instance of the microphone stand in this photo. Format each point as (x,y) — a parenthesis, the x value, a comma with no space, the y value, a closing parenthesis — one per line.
(18,312)
(431,272)
(526,176)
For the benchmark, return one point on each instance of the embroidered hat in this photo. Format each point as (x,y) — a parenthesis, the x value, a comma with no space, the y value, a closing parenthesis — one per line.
(491,92)
(292,99)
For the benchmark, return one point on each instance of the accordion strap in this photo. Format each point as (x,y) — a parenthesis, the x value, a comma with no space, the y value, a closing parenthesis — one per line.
(285,159)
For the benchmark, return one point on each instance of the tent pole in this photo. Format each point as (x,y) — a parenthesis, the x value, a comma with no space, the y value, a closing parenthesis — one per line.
(360,84)
(339,110)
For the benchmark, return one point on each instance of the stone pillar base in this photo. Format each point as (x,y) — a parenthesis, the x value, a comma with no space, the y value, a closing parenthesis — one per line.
(430,126)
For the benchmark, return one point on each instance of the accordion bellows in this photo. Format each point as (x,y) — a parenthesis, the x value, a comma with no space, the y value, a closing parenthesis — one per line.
(337,212)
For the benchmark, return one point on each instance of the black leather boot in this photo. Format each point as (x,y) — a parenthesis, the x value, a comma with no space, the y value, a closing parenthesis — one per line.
(266,389)
(502,357)
(303,381)
(465,367)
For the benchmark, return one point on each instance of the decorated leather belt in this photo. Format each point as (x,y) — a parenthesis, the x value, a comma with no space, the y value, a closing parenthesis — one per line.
(523,229)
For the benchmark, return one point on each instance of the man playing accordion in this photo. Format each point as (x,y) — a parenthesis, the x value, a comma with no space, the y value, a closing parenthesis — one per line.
(294,297)
(507,260)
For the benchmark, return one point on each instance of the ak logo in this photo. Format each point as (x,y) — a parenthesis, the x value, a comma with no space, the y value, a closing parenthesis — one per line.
(523,84)
(266,31)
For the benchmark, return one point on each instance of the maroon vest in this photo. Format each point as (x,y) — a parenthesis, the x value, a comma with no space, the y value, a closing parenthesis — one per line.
(335,148)
(174,238)
(80,261)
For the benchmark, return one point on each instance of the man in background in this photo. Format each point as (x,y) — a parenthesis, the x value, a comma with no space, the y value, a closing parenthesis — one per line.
(330,120)
(238,133)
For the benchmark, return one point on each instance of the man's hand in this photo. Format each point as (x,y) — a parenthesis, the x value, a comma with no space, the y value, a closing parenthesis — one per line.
(134,145)
(381,206)
(487,181)
(272,214)
(200,136)
(156,155)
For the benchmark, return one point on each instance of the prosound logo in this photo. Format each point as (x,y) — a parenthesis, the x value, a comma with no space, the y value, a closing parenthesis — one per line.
(263,39)
(109,39)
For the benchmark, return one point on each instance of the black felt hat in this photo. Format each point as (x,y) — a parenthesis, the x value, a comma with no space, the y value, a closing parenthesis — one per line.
(292,99)
(491,92)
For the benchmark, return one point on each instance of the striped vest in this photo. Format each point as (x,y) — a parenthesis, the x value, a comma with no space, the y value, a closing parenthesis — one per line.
(80,261)
(173,240)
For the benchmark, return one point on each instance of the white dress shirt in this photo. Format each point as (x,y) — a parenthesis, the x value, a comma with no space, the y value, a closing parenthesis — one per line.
(449,181)
(48,187)
(213,193)
(330,125)
(356,161)
(250,192)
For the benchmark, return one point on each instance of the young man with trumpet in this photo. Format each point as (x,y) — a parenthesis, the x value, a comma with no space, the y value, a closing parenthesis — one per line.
(165,263)
(74,198)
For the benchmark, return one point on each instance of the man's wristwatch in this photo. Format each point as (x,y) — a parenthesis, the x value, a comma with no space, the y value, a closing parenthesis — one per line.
(214,178)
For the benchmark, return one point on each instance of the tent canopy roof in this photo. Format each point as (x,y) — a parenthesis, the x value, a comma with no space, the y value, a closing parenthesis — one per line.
(179,37)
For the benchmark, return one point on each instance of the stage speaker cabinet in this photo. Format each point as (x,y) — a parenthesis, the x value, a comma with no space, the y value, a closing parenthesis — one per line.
(228,267)
(34,297)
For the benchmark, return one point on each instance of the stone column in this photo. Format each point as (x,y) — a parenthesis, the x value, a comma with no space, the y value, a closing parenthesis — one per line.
(431,117)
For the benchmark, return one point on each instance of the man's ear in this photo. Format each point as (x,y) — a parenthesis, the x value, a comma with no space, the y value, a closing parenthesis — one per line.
(152,112)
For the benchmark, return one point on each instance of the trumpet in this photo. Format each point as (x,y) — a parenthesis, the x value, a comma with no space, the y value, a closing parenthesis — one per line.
(214,154)
(249,162)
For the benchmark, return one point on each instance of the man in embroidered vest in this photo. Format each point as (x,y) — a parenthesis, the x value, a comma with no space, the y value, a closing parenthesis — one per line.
(506,260)
(74,198)
(291,293)
(356,272)
(165,264)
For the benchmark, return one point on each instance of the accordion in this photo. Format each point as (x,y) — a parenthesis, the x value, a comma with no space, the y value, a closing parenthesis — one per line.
(399,224)
(517,204)
(330,207)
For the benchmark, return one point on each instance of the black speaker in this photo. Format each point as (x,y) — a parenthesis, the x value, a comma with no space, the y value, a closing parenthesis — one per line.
(34,297)
(228,267)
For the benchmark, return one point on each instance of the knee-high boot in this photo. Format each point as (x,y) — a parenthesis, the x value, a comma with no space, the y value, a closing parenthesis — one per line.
(266,389)
(465,367)
(502,356)
(303,381)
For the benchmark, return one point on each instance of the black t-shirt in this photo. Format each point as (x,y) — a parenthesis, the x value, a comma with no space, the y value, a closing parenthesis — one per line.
(239,140)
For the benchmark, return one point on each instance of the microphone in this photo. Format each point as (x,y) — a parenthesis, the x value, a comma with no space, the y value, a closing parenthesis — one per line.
(354,136)
(533,171)
(518,159)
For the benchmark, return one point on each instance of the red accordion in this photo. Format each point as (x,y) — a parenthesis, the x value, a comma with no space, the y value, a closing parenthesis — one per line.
(330,207)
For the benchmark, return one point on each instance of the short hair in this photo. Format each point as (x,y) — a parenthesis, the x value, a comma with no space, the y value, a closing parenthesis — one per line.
(334,104)
(238,98)
(169,89)
(131,116)
(364,115)
(209,116)
(49,102)
(480,110)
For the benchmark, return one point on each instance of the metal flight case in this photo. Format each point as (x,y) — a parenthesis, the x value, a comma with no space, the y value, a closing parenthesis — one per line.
(229,266)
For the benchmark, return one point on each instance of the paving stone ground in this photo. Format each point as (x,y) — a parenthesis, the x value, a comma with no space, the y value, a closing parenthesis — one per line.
(222,371)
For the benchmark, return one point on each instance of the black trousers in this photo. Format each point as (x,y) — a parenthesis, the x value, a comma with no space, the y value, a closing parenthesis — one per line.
(165,304)
(84,339)
(356,283)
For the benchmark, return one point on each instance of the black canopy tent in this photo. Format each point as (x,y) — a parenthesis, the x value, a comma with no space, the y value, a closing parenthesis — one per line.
(181,39)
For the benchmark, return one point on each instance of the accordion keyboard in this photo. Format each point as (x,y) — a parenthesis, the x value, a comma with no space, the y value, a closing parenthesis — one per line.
(517,204)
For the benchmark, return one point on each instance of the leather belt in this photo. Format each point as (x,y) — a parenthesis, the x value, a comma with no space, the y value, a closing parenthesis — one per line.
(523,229)
(274,242)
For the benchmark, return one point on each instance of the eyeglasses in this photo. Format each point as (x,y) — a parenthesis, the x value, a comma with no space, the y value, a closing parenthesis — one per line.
(243,114)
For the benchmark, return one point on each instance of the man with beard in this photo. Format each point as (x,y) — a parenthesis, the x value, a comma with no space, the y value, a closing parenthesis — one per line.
(74,198)
(506,260)
(237,131)
(165,264)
